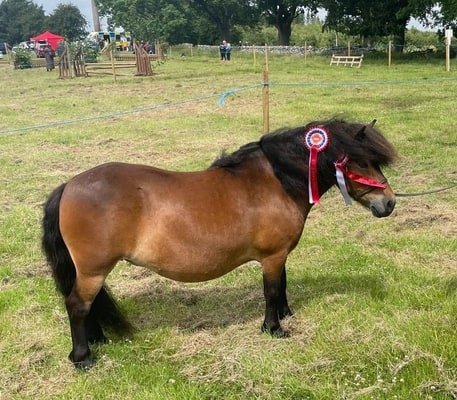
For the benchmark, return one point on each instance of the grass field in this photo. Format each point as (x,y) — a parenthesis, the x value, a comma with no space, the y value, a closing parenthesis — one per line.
(375,300)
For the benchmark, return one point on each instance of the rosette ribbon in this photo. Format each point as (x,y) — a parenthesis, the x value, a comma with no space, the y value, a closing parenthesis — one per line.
(316,140)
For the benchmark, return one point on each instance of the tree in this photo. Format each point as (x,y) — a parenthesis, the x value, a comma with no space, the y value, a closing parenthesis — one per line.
(67,21)
(448,13)
(20,20)
(225,14)
(282,13)
(442,14)
(370,19)
(150,19)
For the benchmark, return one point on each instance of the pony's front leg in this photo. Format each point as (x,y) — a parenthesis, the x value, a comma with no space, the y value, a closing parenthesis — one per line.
(284,309)
(275,301)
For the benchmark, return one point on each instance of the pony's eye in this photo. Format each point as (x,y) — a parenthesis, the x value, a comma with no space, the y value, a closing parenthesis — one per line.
(362,164)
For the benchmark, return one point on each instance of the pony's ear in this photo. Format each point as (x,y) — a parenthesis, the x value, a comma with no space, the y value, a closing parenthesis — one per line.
(360,134)
(372,123)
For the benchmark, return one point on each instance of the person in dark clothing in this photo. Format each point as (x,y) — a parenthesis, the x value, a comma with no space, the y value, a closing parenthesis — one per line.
(49,57)
(222,50)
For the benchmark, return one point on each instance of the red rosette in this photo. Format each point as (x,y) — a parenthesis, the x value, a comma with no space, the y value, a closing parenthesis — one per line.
(316,139)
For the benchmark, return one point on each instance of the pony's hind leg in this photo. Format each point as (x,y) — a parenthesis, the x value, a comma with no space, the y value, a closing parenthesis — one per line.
(94,331)
(78,305)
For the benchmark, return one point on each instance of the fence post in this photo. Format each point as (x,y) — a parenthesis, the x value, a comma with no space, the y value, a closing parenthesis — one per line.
(265,95)
(448,35)
(389,52)
(306,51)
(254,56)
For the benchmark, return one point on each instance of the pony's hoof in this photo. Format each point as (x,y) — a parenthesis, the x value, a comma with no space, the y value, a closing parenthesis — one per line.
(287,312)
(83,365)
(276,333)
(98,340)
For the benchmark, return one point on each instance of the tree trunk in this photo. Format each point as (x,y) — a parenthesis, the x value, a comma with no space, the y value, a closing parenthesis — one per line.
(225,33)
(284,32)
(399,37)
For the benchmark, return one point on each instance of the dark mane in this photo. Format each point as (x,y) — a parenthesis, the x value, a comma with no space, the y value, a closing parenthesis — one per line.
(234,160)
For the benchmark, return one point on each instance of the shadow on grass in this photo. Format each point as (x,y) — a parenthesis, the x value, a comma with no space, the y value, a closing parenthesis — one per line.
(213,305)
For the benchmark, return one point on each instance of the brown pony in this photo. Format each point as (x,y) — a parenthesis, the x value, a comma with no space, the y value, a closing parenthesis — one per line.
(196,226)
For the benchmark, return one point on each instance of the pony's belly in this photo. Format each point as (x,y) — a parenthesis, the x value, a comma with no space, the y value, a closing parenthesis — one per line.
(192,269)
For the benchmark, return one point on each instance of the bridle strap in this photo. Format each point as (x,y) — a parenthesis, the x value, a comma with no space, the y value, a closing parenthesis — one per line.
(342,186)
(342,171)
(369,189)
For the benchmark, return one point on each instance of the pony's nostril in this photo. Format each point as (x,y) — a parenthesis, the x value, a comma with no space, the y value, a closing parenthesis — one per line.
(390,205)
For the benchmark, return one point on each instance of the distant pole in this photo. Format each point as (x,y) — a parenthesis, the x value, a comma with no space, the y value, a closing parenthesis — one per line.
(349,48)
(266,95)
(306,50)
(389,52)
(448,37)
(95,16)
(112,61)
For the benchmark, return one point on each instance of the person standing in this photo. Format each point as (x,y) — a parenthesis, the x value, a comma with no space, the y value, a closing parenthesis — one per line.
(222,50)
(228,50)
(49,56)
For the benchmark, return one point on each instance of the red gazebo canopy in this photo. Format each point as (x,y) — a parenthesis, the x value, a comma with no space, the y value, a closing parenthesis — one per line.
(51,38)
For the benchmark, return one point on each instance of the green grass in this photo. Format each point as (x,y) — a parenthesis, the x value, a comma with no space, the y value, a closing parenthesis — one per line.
(375,301)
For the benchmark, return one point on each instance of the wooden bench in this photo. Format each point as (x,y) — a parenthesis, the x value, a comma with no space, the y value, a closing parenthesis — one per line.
(347,60)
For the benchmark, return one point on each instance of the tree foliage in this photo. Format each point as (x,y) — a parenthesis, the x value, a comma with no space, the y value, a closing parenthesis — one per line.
(210,21)
(225,14)
(369,19)
(442,14)
(282,13)
(67,21)
(150,19)
(20,20)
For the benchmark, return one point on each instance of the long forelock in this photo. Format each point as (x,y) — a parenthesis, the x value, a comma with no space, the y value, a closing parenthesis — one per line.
(371,146)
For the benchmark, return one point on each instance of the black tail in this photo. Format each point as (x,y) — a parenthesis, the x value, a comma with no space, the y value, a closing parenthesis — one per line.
(104,310)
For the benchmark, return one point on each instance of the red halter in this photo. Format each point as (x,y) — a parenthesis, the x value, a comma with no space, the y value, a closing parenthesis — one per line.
(342,170)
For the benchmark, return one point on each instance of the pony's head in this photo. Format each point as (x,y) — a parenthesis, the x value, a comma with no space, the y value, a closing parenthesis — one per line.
(357,153)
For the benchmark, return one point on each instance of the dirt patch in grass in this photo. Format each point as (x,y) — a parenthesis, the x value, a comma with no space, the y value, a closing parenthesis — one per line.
(420,215)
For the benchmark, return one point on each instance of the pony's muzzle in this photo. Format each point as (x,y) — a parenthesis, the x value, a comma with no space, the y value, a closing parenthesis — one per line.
(382,207)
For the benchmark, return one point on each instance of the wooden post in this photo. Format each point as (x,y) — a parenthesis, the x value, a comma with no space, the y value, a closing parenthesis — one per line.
(70,63)
(306,50)
(265,95)
(158,48)
(389,52)
(111,53)
(254,56)
(349,48)
(448,37)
